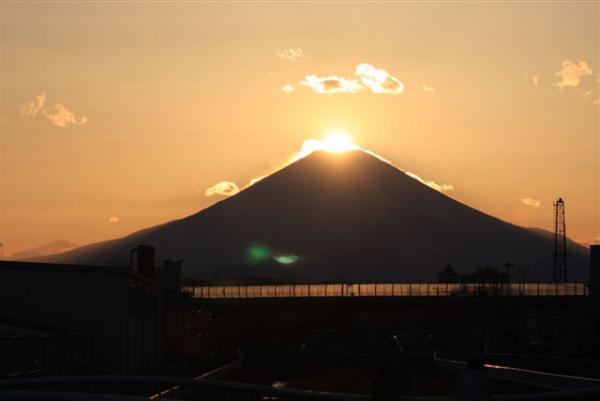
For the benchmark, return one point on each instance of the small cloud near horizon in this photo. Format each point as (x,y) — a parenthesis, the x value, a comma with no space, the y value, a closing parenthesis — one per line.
(571,73)
(428,88)
(531,202)
(223,188)
(292,54)
(430,183)
(114,219)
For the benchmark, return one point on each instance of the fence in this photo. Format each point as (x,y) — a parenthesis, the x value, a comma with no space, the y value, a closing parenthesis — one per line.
(391,290)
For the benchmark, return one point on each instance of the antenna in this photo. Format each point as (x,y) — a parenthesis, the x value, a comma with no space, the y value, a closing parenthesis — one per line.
(560,242)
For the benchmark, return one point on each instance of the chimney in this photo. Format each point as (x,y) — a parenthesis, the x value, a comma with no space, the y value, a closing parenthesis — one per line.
(595,271)
(145,260)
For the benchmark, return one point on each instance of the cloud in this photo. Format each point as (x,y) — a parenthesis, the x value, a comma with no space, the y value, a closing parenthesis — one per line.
(428,88)
(571,73)
(597,101)
(114,219)
(587,93)
(62,116)
(378,80)
(292,54)
(287,88)
(31,109)
(531,202)
(368,77)
(534,80)
(59,115)
(331,84)
(430,183)
(224,188)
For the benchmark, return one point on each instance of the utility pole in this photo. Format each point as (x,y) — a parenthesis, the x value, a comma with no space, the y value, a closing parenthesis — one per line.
(560,242)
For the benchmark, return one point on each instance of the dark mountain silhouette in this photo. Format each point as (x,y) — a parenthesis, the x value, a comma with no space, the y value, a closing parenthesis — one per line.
(53,247)
(347,217)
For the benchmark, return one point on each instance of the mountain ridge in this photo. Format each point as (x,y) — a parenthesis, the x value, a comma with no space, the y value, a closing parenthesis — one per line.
(348,217)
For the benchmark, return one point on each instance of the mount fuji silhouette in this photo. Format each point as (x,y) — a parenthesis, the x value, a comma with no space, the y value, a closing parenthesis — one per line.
(338,217)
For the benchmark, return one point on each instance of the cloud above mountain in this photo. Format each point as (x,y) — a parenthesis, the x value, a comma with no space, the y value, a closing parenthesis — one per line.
(368,77)
(430,183)
(331,84)
(223,188)
(292,54)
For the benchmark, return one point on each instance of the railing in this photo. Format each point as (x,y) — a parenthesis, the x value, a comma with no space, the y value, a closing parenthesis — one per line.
(102,388)
(391,290)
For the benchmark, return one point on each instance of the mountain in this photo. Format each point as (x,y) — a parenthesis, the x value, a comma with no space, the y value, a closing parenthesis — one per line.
(338,217)
(53,247)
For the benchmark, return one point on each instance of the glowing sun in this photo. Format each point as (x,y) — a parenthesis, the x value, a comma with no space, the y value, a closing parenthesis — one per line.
(338,142)
(335,142)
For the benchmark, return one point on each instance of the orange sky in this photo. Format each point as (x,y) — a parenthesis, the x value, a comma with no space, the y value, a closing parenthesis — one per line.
(118,116)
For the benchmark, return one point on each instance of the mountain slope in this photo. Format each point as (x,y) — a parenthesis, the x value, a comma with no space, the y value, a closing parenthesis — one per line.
(347,217)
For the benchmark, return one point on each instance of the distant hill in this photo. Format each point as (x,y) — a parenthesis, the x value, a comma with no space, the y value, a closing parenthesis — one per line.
(57,246)
(338,217)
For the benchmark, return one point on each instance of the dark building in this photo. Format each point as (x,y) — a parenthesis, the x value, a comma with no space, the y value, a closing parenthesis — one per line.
(117,310)
(448,275)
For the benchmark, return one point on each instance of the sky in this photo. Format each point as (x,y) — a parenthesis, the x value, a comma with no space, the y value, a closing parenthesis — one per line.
(117,116)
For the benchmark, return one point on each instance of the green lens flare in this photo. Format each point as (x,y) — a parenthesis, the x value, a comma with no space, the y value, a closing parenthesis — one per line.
(286,259)
(257,254)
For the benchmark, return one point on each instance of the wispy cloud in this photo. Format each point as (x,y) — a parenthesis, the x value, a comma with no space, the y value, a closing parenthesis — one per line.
(368,78)
(531,202)
(61,116)
(32,108)
(428,88)
(571,73)
(533,80)
(223,188)
(378,80)
(587,93)
(114,219)
(430,183)
(292,54)
(287,88)
(331,84)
